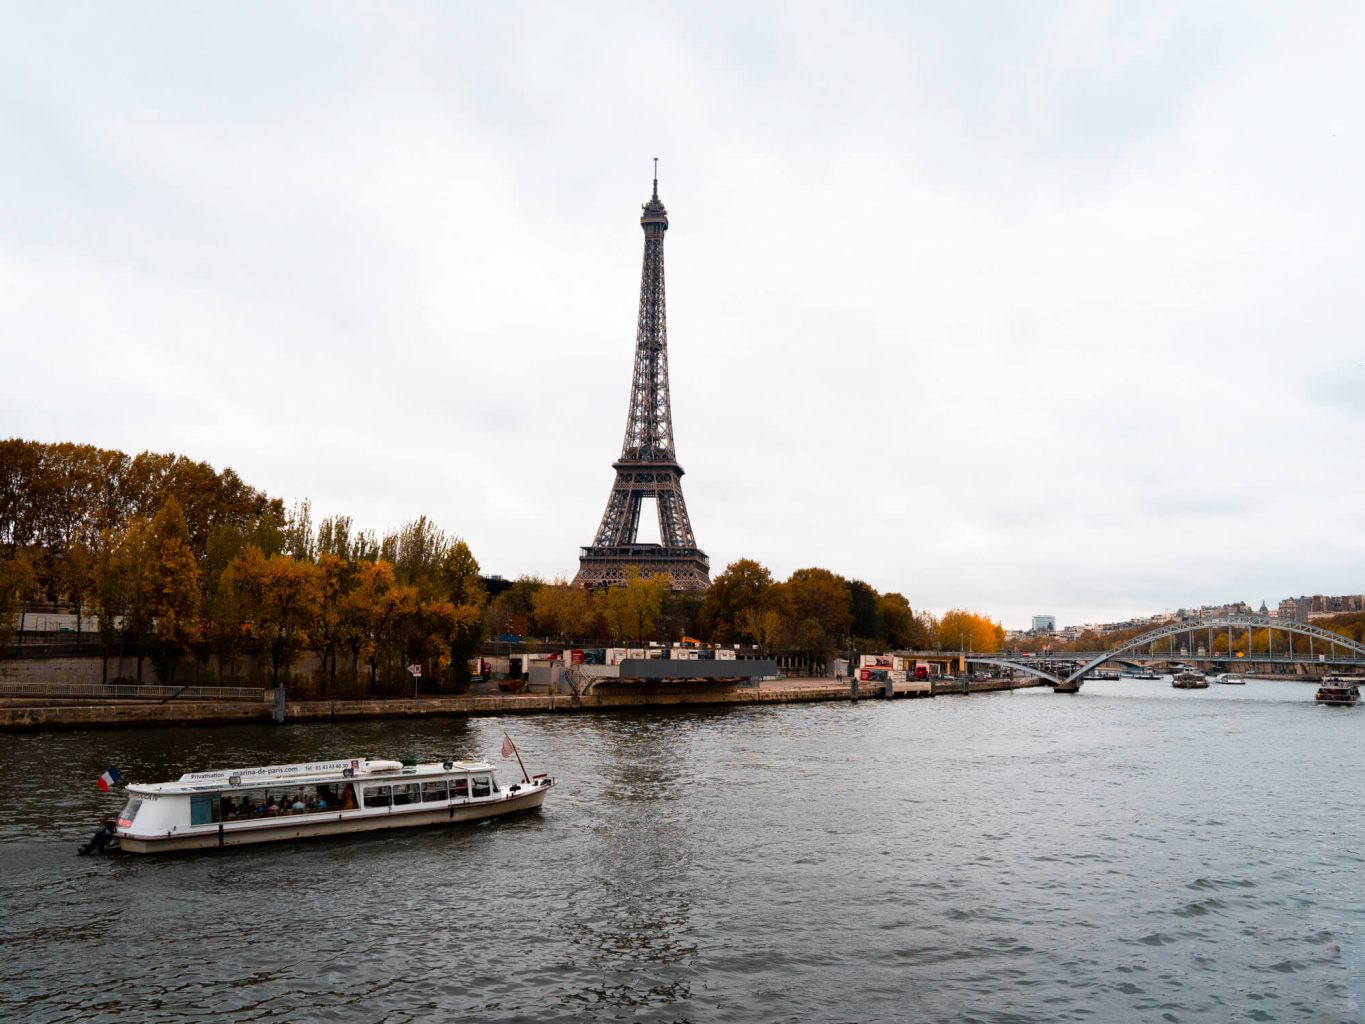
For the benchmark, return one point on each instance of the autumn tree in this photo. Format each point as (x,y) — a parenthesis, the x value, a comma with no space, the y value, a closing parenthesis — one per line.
(108,590)
(745,584)
(633,610)
(132,555)
(764,626)
(374,608)
(460,586)
(335,576)
(680,614)
(559,609)
(865,612)
(816,606)
(901,629)
(513,611)
(171,588)
(280,597)
(967,631)
(17,581)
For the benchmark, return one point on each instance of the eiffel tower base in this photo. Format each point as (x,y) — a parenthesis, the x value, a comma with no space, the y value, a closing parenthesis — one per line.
(603,566)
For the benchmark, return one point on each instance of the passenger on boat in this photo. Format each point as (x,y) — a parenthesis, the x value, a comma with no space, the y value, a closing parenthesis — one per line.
(298,805)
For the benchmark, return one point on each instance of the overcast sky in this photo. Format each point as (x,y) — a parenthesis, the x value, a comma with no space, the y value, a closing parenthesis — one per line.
(1013,307)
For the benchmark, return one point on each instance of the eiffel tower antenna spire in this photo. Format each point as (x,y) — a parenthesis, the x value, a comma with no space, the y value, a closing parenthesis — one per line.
(648,466)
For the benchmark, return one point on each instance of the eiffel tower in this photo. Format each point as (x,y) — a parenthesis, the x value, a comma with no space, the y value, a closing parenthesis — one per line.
(648,466)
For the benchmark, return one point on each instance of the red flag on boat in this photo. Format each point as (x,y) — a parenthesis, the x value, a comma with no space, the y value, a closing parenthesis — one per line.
(508,749)
(110,778)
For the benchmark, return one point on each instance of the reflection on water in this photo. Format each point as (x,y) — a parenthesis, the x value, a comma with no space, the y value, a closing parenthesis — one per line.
(1130,853)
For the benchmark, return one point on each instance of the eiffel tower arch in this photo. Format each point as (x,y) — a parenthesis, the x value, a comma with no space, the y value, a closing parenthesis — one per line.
(648,466)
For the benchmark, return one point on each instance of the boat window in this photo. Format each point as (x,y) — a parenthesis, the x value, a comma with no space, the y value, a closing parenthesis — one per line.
(433,791)
(407,793)
(129,812)
(376,796)
(203,808)
(482,787)
(459,789)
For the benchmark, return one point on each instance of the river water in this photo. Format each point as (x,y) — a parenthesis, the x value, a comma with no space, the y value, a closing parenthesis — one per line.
(1132,853)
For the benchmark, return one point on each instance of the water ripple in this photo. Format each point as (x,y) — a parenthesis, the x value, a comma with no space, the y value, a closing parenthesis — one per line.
(1123,855)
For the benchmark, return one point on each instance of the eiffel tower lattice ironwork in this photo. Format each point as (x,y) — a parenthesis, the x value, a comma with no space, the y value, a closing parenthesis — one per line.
(648,466)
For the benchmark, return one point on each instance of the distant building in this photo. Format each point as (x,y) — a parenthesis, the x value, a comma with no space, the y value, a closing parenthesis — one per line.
(1044,624)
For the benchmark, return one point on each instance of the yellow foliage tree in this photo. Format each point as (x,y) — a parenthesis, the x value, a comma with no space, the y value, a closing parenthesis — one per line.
(281,597)
(967,631)
(633,611)
(171,587)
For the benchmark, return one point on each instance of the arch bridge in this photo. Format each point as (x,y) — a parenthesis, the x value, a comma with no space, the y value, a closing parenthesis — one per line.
(1060,669)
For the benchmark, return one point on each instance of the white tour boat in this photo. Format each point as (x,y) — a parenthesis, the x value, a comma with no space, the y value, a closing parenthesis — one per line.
(239,806)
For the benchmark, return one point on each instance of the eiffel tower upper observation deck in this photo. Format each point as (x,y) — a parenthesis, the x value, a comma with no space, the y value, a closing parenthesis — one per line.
(648,466)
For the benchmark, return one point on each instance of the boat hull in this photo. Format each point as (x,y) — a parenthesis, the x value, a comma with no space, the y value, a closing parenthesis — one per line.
(288,828)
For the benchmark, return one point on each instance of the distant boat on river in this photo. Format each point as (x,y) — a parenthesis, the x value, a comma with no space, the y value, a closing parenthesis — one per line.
(1189,680)
(1338,691)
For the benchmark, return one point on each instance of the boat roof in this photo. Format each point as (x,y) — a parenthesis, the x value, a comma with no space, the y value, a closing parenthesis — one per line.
(310,773)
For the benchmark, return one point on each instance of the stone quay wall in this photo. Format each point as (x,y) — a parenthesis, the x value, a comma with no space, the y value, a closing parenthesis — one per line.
(28,714)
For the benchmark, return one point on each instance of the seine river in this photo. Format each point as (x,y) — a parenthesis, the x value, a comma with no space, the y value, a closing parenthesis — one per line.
(1133,853)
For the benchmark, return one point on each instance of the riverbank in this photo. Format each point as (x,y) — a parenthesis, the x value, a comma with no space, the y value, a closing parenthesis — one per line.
(30,715)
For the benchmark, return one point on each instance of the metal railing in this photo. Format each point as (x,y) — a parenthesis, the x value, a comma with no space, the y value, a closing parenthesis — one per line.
(131,691)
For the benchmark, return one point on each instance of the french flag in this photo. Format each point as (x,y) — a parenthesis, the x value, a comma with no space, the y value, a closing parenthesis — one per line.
(111,777)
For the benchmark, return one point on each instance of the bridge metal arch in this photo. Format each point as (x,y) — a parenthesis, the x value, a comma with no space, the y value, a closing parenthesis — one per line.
(1033,670)
(1218,622)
